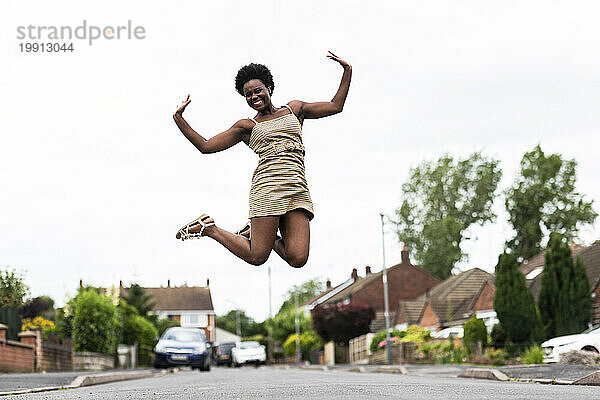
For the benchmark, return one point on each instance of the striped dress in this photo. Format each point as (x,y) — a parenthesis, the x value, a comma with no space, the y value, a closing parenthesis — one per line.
(278,183)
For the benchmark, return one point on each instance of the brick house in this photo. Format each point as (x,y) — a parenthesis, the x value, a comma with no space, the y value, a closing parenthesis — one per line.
(191,306)
(325,295)
(405,282)
(590,256)
(451,303)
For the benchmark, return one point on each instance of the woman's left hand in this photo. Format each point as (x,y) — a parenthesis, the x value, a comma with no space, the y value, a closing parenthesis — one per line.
(336,58)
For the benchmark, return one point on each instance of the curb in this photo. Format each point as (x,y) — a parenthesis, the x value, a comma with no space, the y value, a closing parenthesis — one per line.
(94,379)
(592,379)
(483,373)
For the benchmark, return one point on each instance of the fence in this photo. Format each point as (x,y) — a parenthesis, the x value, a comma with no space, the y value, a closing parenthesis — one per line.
(10,317)
(359,349)
(403,352)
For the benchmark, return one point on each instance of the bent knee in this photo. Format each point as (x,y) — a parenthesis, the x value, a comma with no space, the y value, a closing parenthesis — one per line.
(298,261)
(258,259)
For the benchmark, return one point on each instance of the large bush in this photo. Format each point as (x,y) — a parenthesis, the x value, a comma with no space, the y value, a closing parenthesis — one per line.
(96,324)
(308,341)
(342,322)
(415,333)
(475,332)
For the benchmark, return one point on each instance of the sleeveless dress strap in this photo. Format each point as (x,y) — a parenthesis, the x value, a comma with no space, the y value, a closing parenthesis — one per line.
(253,120)
(289,108)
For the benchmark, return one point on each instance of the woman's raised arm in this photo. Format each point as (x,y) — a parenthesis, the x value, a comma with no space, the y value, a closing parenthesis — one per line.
(336,105)
(222,141)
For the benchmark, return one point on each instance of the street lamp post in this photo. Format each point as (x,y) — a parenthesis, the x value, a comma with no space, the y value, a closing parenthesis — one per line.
(298,360)
(238,326)
(386,300)
(269,326)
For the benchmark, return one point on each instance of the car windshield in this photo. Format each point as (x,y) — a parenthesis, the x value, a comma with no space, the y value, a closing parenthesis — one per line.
(593,330)
(184,336)
(249,345)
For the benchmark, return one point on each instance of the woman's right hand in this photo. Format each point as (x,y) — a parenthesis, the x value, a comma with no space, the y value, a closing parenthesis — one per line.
(182,107)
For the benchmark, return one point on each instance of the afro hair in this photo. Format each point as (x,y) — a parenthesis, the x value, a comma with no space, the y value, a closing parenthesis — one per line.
(253,71)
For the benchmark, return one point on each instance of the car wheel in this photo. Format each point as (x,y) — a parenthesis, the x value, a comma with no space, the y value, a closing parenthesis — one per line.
(590,348)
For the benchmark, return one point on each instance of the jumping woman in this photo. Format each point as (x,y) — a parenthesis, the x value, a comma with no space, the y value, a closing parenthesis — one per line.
(279,196)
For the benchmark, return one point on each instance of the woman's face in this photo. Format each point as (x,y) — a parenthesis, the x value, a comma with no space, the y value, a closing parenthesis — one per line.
(257,95)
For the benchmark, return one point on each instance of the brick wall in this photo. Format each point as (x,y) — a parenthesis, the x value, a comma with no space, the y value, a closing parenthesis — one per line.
(16,356)
(486,299)
(56,356)
(429,319)
(405,282)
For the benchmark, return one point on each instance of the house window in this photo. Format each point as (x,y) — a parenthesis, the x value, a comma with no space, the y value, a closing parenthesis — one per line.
(194,320)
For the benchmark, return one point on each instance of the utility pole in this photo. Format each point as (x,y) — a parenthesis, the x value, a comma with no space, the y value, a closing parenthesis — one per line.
(238,326)
(386,300)
(298,360)
(269,326)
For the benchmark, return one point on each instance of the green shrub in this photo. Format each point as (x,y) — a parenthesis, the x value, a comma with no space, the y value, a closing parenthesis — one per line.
(380,337)
(498,336)
(416,334)
(533,355)
(475,332)
(96,325)
(497,357)
(308,340)
(441,352)
(145,339)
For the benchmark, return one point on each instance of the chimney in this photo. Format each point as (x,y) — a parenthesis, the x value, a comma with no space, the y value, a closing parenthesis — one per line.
(207,282)
(404,255)
(367,270)
(120,284)
(168,283)
(328,284)
(354,274)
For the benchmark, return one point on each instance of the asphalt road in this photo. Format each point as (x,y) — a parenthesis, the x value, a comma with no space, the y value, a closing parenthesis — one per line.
(269,383)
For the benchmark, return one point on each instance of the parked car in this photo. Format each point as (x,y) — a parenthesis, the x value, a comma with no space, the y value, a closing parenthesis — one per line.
(248,353)
(223,354)
(182,346)
(588,340)
(454,331)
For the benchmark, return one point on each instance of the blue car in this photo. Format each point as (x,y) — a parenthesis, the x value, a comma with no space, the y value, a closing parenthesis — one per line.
(182,347)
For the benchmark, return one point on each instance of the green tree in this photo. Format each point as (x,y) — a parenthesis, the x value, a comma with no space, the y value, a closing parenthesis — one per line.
(13,289)
(441,200)
(96,324)
(304,291)
(137,297)
(542,197)
(564,300)
(284,324)
(514,303)
(248,326)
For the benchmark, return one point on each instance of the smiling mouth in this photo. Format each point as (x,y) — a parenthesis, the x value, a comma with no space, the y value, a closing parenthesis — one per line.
(257,103)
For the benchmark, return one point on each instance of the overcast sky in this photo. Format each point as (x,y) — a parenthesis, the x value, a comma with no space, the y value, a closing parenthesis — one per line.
(96,178)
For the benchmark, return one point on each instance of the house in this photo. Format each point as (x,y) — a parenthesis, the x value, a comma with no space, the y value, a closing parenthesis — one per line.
(191,306)
(451,303)
(590,256)
(325,295)
(405,282)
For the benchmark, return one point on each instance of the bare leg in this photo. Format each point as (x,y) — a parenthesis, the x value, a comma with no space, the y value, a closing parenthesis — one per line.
(294,245)
(256,251)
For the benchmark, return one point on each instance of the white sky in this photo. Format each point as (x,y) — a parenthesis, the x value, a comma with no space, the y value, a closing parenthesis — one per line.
(96,178)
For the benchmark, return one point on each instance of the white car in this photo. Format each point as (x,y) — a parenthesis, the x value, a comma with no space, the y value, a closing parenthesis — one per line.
(455,331)
(588,340)
(248,353)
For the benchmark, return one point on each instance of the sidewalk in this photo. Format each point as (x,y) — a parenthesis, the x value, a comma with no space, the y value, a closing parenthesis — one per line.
(17,383)
(547,373)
